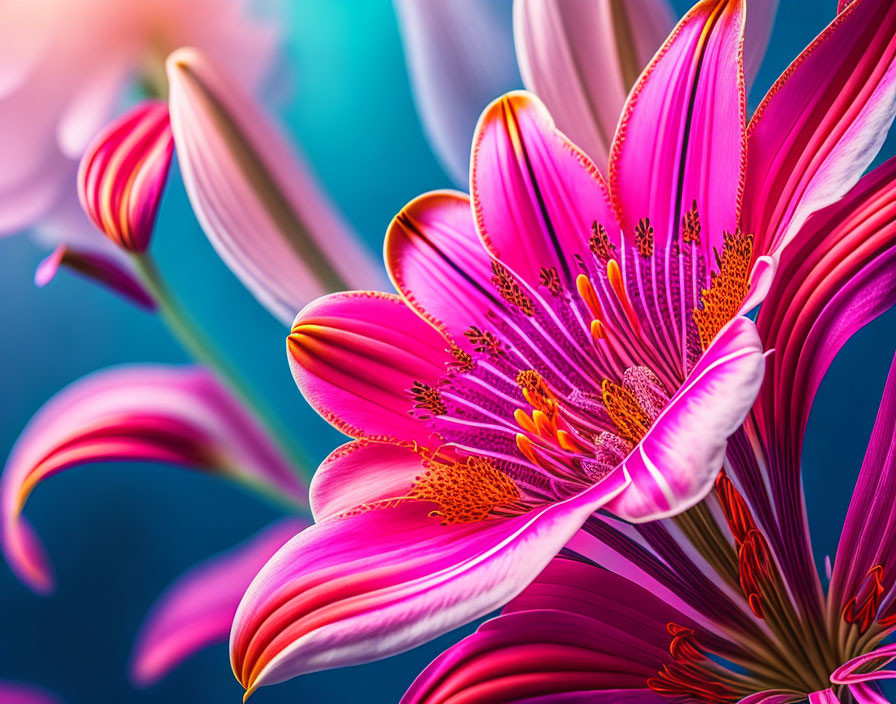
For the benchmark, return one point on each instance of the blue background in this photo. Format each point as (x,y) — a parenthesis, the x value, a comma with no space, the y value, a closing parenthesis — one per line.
(118,534)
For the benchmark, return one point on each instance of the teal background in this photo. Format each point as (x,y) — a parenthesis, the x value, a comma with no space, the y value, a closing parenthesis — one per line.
(117,534)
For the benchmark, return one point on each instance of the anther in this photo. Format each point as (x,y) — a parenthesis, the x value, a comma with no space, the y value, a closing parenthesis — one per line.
(644,237)
(524,421)
(615,277)
(600,244)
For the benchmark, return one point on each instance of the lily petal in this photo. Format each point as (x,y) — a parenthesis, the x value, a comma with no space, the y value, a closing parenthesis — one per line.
(535,195)
(681,136)
(675,464)
(257,202)
(398,579)
(460,56)
(106,271)
(197,610)
(821,124)
(146,413)
(355,357)
(573,635)
(438,264)
(16,693)
(123,172)
(582,58)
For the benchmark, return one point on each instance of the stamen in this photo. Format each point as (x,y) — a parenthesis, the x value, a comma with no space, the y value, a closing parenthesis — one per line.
(690,225)
(600,244)
(427,398)
(647,389)
(863,607)
(625,411)
(536,391)
(522,442)
(589,296)
(510,290)
(483,341)
(543,424)
(524,421)
(597,330)
(644,237)
(550,279)
(727,289)
(463,361)
(755,568)
(690,676)
(616,282)
(465,491)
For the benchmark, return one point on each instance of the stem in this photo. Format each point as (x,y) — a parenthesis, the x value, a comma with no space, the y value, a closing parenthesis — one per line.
(200,348)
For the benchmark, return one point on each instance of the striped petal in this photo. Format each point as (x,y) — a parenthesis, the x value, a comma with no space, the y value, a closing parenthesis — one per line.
(821,124)
(355,357)
(582,58)
(681,136)
(257,202)
(197,610)
(373,583)
(123,172)
(535,195)
(106,271)
(460,56)
(145,413)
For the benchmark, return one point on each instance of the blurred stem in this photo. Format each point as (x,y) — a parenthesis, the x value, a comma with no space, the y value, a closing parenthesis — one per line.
(201,348)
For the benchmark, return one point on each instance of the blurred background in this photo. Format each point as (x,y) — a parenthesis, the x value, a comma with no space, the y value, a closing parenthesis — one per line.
(119,534)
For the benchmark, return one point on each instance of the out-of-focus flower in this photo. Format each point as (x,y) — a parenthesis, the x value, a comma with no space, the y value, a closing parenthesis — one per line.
(725,603)
(149,413)
(65,66)
(123,173)
(581,57)
(17,693)
(580,372)
(254,196)
(197,610)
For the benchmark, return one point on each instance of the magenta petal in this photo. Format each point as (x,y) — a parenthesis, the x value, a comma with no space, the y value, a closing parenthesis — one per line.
(145,413)
(197,610)
(377,582)
(355,357)
(582,58)
(681,137)
(675,464)
(534,193)
(256,200)
(825,696)
(821,124)
(106,271)
(438,263)
(576,630)
(16,693)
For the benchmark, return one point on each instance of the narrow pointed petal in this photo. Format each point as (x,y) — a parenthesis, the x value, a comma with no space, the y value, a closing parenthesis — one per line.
(460,56)
(578,633)
(139,413)
(197,610)
(681,136)
(869,531)
(257,202)
(106,271)
(377,582)
(439,265)
(123,173)
(821,124)
(535,194)
(675,464)
(17,693)
(582,58)
(356,355)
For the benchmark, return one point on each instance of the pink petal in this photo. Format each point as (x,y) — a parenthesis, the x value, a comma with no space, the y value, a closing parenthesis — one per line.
(197,609)
(355,357)
(582,58)
(103,270)
(460,56)
(757,32)
(681,136)
(374,583)
(256,200)
(534,193)
(16,693)
(675,464)
(821,124)
(438,264)
(123,172)
(576,629)
(825,696)
(144,413)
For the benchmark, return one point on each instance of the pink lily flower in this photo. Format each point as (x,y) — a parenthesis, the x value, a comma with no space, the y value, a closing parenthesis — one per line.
(66,66)
(561,344)
(581,57)
(725,603)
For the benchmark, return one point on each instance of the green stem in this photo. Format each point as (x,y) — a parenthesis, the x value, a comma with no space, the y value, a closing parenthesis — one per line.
(201,349)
